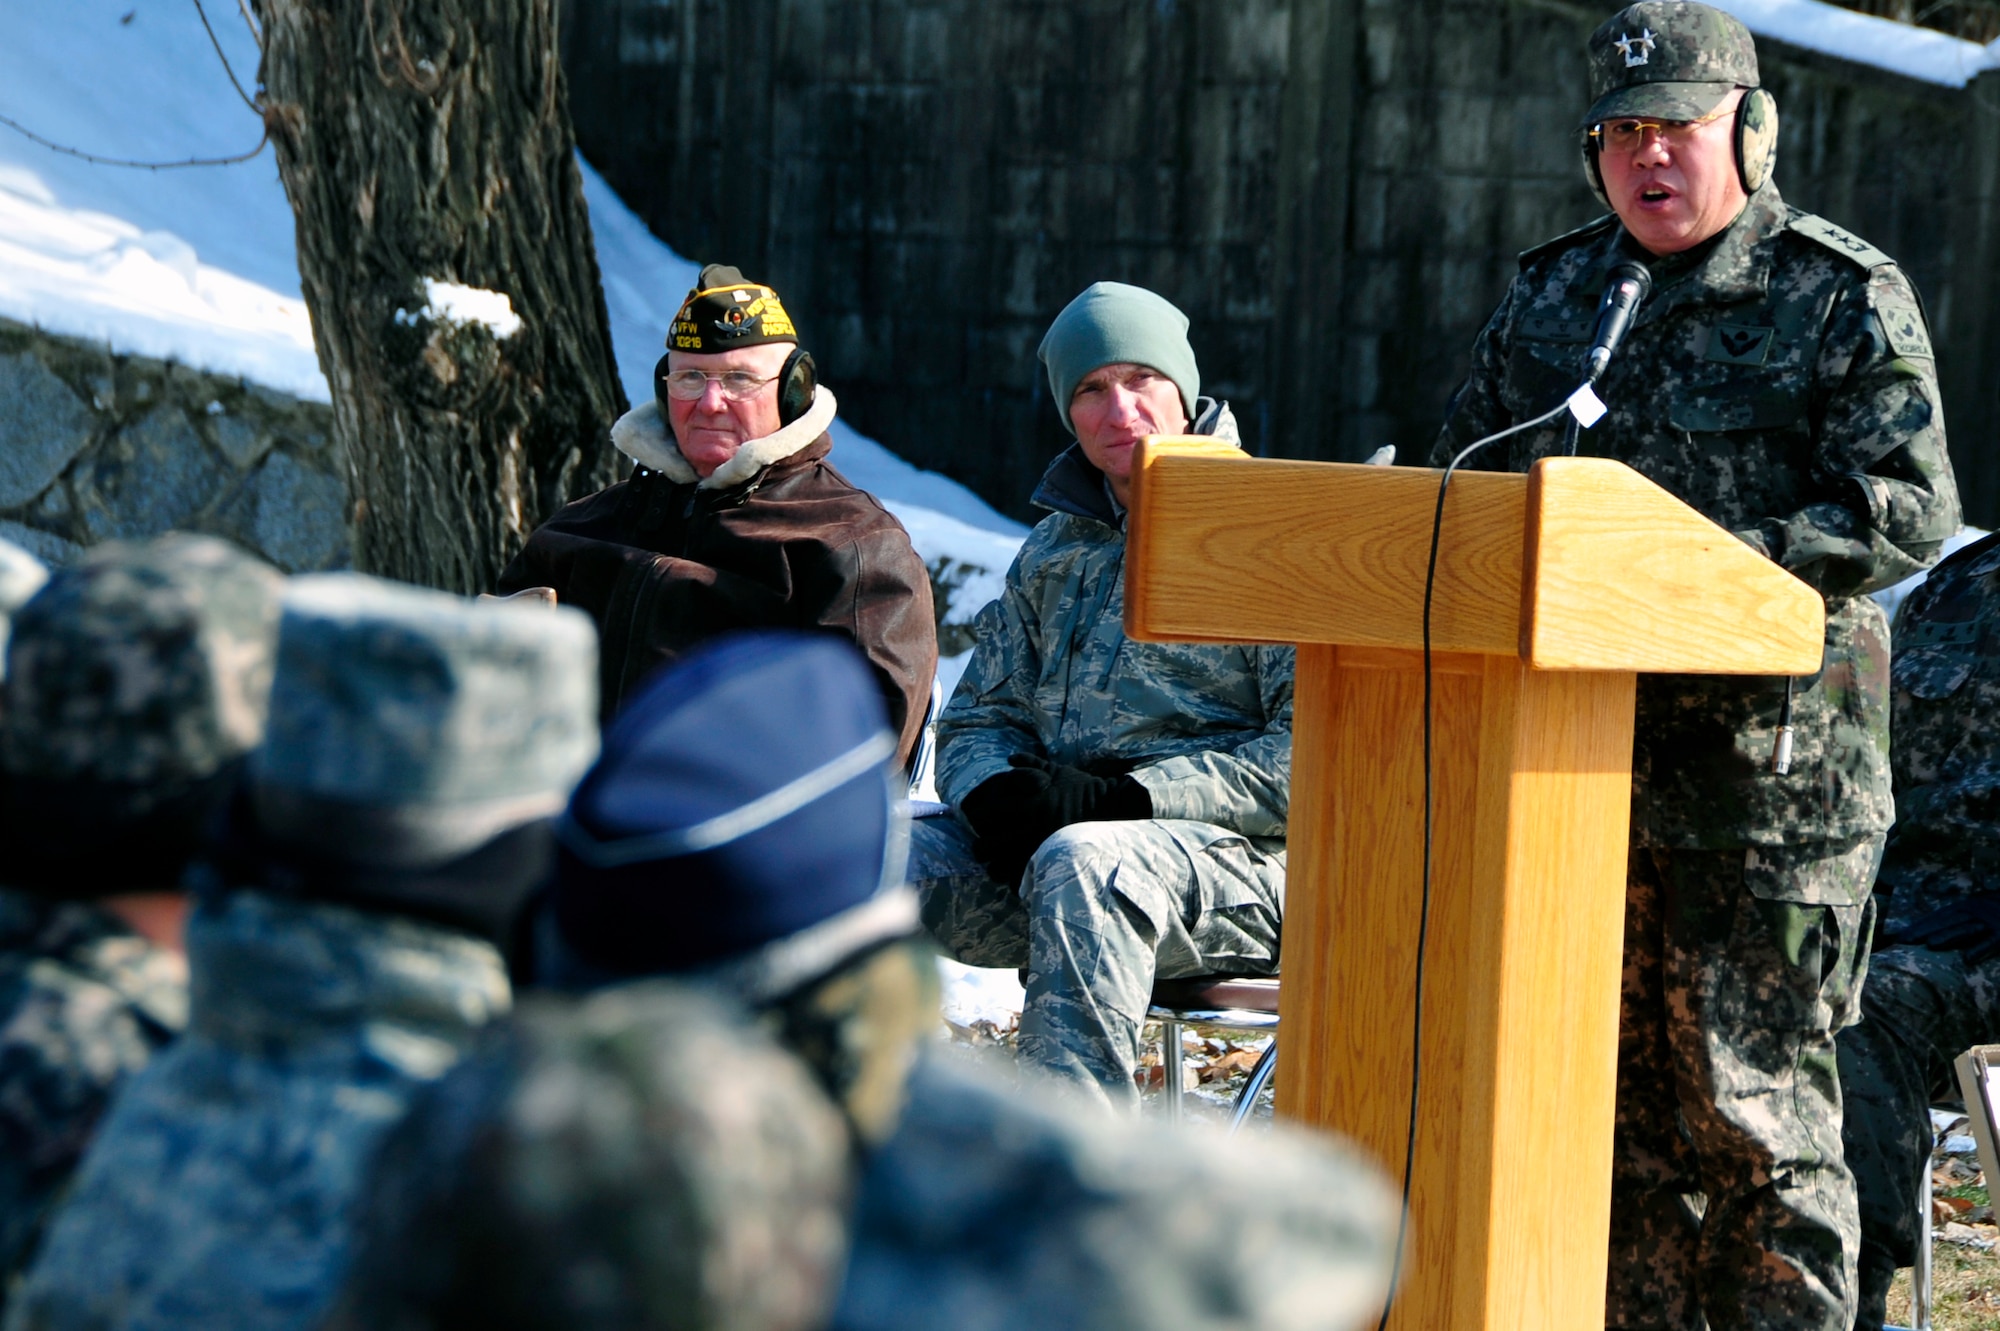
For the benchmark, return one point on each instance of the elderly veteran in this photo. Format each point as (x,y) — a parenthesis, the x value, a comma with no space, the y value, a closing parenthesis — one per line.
(1780,380)
(1119,806)
(734,518)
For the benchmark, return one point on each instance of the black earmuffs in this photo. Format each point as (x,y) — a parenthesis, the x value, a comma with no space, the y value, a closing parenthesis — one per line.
(796,385)
(1755,139)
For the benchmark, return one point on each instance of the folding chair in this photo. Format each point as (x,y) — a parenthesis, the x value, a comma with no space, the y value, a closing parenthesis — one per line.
(1232,1002)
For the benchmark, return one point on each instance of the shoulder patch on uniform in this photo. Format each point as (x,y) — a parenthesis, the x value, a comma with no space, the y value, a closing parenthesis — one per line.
(1739,344)
(1907,334)
(1588,231)
(1838,239)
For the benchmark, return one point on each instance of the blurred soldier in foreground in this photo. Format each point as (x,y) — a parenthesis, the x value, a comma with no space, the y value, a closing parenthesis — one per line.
(734,518)
(737,840)
(1120,805)
(345,951)
(1780,380)
(1935,991)
(137,681)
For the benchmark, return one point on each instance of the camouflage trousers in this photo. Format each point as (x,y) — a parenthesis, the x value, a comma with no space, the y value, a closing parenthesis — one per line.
(1921,1010)
(1731,1205)
(1103,910)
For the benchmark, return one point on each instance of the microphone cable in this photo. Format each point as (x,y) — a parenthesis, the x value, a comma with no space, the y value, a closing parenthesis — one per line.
(1424,908)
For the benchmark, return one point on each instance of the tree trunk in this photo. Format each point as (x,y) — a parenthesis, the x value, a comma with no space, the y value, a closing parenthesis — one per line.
(430,139)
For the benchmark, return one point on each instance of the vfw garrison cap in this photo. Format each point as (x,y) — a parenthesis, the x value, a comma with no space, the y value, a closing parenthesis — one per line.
(724,312)
(1672,59)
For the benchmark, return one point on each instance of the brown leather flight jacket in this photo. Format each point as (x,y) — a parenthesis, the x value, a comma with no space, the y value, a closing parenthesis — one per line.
(661,566)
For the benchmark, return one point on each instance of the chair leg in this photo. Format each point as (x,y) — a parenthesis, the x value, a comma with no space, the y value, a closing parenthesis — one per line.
(1170,1064)
(1920,1274)
(1246,1099)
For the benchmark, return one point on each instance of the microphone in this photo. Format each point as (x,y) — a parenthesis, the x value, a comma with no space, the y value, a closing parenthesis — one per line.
(1630,283)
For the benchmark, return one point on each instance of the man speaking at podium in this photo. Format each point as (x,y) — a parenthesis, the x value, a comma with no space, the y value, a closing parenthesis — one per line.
(1780,379)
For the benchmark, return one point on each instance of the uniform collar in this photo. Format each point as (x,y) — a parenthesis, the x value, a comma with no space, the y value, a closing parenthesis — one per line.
(642,435)
(1735,265)
(270,970)
(1072,485)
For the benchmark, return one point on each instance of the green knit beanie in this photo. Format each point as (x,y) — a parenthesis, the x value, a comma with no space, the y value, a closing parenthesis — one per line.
(1111,324)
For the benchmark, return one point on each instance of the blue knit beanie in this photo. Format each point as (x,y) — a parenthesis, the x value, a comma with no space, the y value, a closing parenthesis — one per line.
(1110,324)
(741,816)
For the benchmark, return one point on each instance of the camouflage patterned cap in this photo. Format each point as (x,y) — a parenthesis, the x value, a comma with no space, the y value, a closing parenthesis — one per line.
(444,720)
(144,666)
(1668,58)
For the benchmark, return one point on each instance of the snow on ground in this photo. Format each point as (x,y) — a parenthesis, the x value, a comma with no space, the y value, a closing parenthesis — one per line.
(200,265)
(1901,48)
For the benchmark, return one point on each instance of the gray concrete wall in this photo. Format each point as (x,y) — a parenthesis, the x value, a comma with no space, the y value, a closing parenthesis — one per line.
(1333,191)
(96,447)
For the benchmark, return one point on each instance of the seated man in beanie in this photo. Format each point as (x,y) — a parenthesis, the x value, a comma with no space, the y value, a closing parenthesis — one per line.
(137,680)
(774,826)
(734,518)
(1120,805)
(346,950)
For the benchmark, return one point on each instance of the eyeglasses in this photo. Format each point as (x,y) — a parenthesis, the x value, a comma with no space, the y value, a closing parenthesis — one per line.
(737,385)
(1626,135)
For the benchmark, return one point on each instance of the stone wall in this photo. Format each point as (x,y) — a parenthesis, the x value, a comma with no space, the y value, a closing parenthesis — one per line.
(96,446)
(1334,190)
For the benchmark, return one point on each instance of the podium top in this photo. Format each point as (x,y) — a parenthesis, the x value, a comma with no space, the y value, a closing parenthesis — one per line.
(1583,564)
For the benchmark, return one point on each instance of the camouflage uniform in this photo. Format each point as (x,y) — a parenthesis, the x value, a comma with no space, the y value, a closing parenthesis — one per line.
(329,982)
(139,680)
(1926,1004)
(645,1156)
(995,1208)
(637,1156)
(1107,906)
(84,1003)
(1780,380)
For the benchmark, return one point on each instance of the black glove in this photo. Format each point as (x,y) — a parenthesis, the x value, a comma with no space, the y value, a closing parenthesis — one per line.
(1074,795)
(1003,813)
(1012,813)
(1971,927)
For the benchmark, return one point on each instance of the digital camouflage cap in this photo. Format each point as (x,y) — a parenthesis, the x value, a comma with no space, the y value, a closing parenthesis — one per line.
(142,665)
(409,726)
(1673,59)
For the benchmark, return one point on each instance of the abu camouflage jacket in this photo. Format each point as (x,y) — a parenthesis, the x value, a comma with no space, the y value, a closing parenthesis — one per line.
(85,1003)
(1946,841)
(1780,380)
(220,1189)
(1207,728)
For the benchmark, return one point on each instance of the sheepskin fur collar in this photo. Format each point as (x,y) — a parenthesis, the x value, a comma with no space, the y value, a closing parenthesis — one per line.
(642,435)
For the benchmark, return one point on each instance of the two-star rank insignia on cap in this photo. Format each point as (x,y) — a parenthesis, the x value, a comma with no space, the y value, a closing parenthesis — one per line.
(1636,50)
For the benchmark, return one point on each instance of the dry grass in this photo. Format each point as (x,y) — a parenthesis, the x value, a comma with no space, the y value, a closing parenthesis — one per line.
(1965,1289)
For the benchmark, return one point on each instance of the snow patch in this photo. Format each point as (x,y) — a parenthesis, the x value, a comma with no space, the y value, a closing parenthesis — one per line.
(450,302)
(975,993)
(1900,48)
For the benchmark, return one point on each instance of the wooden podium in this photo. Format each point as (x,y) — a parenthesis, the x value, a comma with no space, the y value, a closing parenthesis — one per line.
(1553,589)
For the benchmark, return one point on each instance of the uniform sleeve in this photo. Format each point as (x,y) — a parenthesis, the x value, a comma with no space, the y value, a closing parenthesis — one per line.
(1476,409)
(885,609)
(990,716)
(1247,788)
(1885,499)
